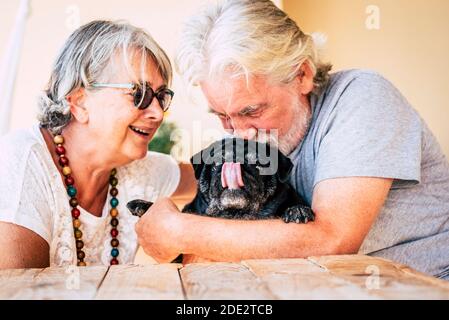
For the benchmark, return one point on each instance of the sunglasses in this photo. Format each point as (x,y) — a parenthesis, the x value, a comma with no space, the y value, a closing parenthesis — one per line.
(143,95)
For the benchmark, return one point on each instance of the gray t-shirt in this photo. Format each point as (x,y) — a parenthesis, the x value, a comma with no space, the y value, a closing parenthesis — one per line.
(363,126)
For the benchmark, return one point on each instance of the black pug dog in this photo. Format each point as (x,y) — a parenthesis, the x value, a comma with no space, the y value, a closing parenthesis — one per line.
(242,179)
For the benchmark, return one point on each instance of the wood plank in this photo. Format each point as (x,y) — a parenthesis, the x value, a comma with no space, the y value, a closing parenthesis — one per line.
(384,278)
(51,283)
(262,267)
(143,282)
(303,279)
(222,280)
(422,276)
(13,281)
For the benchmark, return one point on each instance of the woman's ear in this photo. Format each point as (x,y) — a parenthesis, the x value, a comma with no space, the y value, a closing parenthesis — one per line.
(77,107)
(305,77)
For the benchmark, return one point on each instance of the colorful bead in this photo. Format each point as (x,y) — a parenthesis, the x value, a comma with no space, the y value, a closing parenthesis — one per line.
(114,262)
(114,253)
(78,234)
(81,264)
(66,170)
(113,192)
(73,202)
(81,255)
(58,139)
(114,202)
(114,243)
(69,180)
(79,244)
(63,161)
(114,222)
(113,172)
(76,223)
(71,191)
(114,233)
(114,212)
(113,181)
(60,150)
(75,213)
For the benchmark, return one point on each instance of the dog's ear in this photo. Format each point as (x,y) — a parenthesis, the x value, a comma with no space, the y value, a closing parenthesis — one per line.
(198,164)
(285,167)
(206,157)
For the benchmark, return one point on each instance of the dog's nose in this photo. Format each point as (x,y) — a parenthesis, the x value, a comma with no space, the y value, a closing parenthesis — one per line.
(231,175)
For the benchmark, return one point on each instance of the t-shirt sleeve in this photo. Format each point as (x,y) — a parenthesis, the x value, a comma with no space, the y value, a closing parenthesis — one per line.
(371,132)
(23,199)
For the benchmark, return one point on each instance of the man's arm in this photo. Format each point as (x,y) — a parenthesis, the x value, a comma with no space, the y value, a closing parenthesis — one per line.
(345,209)
(22,248)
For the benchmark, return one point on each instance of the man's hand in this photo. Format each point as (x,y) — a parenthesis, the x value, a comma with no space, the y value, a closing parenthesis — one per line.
(159,231)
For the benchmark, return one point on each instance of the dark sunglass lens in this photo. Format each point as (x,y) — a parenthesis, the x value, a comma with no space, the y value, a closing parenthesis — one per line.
(145,101)
(138,96)
(164,97)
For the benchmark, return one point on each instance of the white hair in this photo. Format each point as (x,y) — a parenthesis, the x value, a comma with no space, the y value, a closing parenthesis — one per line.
(246,37)
(84,58)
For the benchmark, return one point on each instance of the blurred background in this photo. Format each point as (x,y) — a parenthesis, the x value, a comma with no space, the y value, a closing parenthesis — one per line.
(405,40)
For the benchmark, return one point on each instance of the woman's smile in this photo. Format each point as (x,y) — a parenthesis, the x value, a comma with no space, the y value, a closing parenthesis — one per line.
(144,134)
(143,131)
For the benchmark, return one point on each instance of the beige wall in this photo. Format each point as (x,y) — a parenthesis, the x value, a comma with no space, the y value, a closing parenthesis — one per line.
(411,48)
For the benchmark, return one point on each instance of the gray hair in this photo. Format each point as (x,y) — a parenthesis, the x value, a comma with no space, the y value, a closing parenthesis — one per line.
(85,56)
(247,37)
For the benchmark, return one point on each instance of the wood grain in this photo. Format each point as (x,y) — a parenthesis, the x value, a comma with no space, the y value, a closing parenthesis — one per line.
(143,282)
(51,283)
(303,279)
(262,267)
(383,278)
(222,281)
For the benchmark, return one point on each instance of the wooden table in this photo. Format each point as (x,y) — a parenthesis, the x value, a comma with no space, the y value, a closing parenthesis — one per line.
(329,277)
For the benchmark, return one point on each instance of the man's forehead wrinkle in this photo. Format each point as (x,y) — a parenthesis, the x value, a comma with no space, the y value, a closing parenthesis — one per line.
(231,96)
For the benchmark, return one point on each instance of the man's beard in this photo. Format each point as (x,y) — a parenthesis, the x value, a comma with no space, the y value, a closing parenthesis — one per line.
(292,138)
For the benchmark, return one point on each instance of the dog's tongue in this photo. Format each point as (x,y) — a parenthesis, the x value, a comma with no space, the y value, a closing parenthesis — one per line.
(231,175)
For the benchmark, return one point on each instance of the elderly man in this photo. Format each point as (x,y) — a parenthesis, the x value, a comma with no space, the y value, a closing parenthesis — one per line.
(364,160)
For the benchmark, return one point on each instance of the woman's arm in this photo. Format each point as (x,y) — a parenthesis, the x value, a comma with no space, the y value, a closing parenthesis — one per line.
(22,248)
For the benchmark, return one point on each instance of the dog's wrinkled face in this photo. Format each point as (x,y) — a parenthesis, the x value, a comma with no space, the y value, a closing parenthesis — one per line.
(236,176)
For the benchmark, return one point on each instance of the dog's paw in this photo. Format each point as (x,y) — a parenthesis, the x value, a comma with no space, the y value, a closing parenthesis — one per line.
(298,214)
(138,207)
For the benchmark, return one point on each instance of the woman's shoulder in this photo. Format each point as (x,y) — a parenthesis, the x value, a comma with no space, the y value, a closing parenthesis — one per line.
(16,146)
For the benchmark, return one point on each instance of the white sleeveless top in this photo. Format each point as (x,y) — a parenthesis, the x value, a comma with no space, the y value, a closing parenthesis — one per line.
(33,195)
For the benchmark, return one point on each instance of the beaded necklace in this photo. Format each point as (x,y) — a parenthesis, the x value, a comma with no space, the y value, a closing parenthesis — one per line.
(71,191)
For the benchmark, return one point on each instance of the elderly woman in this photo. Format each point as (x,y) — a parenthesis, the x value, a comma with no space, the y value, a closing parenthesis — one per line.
(65,182)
